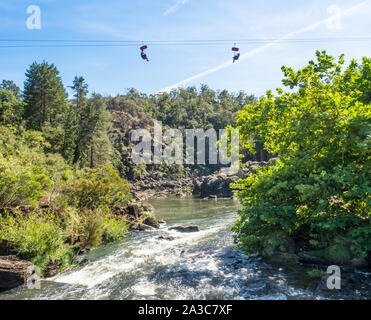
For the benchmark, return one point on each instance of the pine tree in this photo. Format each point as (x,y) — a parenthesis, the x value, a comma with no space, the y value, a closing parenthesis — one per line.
(80,88)
(94,144)
(70,137)
(45,97)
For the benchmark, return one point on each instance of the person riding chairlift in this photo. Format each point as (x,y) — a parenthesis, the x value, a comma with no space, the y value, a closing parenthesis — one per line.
(237,53)
(236,57)
(143,54)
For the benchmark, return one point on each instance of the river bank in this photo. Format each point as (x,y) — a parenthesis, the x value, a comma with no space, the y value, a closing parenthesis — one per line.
(90,227)
(167,264)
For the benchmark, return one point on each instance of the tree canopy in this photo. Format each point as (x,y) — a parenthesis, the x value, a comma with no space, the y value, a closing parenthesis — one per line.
(319,190)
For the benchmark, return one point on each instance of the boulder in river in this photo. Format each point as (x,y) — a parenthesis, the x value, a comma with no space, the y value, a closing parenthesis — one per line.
(151,221)
(14,272)
(215,186)
(169,238)
(140,227)
(186,228)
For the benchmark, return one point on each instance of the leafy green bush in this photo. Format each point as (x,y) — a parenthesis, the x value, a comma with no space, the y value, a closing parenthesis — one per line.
(114,229)
(19,184)
(11,107)
(93,226)
(26,172)
(319,191)
(99,227)
(38,238)
(98,188)
(93,229)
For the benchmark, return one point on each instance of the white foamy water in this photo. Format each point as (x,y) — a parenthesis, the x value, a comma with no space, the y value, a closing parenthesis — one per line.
(130,257)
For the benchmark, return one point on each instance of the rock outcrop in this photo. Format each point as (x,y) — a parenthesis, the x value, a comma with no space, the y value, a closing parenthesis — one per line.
(219,185)
(14,272)
(186,228)
(139,216)
(157,185)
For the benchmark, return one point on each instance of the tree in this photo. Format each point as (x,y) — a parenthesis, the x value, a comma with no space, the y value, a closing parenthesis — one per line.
(70,137)
(94,144)
(11,107)
(319,190)
(80,88)
(11,86)
(45,97)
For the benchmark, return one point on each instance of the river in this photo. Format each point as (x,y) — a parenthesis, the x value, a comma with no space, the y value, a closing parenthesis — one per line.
(200,265)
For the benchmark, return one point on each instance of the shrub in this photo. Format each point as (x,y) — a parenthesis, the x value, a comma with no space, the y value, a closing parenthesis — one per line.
(38,238)
(21,184)
(98,188)
(320,189)
(96,226)
(94,230)
(114,229)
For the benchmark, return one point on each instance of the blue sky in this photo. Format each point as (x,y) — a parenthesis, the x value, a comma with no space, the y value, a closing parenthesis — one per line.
(111,70)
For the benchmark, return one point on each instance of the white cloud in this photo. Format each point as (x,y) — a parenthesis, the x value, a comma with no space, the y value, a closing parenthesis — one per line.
(175,7)
(337,15)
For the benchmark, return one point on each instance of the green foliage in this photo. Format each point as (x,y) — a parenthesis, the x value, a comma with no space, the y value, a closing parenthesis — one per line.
(47,110)
(20,185)
(38,165)
(316,273)
(114,229)
(12,87)
(94,226)
(38,238)
(24,172)
(320,189)
(70,135)
(189,108)
(148,214)
(94,230)
(11,107)
(27,173)
(44,96)
(42,237)
(98,188)
(94,145)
